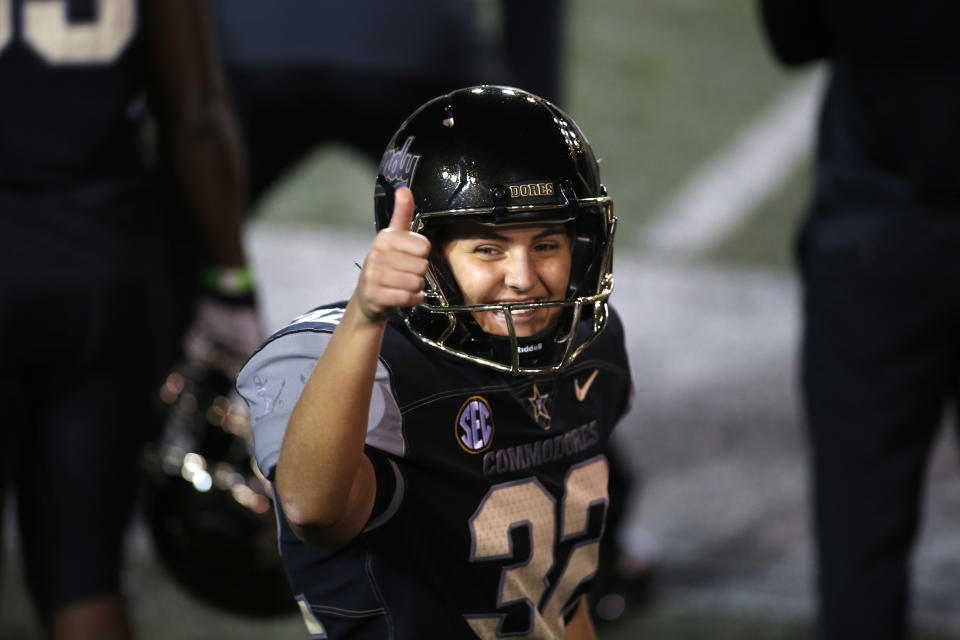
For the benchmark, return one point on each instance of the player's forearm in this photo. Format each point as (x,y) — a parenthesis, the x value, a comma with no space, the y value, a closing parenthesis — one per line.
(324,480)
(198,131)
(209,159)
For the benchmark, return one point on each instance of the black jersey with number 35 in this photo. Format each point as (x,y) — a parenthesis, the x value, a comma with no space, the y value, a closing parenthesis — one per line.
(491,489)
(72,77)
(76,180)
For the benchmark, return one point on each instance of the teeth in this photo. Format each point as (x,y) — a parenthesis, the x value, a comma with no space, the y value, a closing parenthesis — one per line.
(516,314)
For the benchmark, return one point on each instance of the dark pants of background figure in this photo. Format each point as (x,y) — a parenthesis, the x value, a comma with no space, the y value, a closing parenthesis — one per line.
(881,358)
(85,337)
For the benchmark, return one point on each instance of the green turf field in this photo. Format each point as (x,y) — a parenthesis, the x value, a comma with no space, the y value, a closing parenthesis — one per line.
(660,85)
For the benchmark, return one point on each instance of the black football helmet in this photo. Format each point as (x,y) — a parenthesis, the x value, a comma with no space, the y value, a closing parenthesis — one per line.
(498,156)
(208,509)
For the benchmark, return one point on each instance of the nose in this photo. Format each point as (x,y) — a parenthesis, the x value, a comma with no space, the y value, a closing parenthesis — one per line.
(520,273)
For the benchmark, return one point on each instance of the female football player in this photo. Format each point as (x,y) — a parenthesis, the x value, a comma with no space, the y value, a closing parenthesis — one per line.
(437,443)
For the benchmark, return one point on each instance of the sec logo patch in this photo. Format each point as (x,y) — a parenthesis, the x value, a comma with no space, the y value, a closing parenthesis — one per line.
(474,426)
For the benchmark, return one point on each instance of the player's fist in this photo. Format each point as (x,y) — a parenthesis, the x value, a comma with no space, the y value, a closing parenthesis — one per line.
(393,271)
(223,334)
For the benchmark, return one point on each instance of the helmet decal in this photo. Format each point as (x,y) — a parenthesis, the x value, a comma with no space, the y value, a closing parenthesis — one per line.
(531,190)
(399,165)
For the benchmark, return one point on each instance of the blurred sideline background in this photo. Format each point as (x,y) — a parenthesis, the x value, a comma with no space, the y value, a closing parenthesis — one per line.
(704,145)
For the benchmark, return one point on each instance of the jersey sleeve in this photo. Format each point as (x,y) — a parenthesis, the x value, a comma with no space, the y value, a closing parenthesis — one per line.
(617,331)
(273,379)
(271,382)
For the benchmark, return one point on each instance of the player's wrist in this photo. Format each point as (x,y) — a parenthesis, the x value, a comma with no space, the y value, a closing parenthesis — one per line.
(232,285)
(361,315)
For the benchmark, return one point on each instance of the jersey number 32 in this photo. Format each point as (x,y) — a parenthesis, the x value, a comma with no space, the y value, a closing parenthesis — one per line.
(525,503)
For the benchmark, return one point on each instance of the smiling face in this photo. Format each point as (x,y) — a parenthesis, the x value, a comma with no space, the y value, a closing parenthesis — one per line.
(510,264)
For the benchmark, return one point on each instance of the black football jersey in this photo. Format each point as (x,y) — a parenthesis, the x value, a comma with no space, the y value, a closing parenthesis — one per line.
(491,489)
(75,182)
(73,77)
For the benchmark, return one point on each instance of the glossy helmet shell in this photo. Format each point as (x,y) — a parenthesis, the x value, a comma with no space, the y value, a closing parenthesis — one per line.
(500,155)
(209,512)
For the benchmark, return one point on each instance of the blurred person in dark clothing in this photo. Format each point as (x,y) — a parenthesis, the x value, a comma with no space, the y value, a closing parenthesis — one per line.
(304,73)
(87,327)
(879,252)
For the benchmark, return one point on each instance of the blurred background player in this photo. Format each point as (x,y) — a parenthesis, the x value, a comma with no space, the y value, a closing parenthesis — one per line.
(879,253)
(88,320)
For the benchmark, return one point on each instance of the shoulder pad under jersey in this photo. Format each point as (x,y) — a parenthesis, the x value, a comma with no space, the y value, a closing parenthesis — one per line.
(324,318)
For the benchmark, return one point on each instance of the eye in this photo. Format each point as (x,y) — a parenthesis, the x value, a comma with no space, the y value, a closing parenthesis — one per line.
(546,246)
(486,250)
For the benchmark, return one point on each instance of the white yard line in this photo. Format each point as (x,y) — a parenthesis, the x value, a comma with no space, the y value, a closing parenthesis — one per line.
(729,187)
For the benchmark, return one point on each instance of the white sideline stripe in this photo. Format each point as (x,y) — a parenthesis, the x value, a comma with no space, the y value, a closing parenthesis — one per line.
(731,185)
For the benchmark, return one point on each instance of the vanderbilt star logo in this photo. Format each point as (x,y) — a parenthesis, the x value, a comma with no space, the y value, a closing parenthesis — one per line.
(538,405)
(581,392)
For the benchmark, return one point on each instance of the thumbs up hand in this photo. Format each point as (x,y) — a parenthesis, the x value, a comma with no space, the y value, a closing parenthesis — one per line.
(393,271)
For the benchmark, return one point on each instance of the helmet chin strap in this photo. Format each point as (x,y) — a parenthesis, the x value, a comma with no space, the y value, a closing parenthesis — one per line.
(542,348)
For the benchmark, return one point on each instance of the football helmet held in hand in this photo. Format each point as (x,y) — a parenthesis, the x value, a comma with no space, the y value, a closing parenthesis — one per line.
(208,508)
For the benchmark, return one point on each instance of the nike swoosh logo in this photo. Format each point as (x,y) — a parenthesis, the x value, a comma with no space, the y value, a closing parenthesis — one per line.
(581,392)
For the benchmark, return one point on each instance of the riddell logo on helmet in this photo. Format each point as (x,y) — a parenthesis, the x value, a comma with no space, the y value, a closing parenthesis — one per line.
(531,348)
(399,165)
(534,189)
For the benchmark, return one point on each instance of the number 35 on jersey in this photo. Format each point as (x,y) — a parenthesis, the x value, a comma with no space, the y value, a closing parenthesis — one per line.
(46,28)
